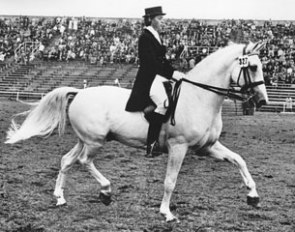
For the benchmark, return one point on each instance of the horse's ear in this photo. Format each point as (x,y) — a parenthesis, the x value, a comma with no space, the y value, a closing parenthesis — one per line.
(230,42)
(258,46)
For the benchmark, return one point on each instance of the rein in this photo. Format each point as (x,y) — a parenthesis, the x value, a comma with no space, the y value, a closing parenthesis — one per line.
(231,93)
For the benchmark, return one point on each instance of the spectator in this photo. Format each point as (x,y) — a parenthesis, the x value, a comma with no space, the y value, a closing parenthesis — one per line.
(192,63)
(288,104)
(117,82)
(2,56)
(41,49)
(85,84)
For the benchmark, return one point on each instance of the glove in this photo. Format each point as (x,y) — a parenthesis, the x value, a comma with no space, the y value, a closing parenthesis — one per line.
(178,75)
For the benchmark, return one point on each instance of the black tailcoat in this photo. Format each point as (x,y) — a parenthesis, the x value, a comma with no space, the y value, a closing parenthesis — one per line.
(152,62)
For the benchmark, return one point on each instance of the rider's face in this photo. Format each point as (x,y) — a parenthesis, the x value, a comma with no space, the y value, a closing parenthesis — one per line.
(157,22)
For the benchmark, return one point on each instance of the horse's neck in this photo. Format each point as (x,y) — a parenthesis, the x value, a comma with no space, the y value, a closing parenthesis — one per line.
(214,71)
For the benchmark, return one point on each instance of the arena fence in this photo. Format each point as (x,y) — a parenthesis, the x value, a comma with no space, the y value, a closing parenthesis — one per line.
(229,107)
(14,95)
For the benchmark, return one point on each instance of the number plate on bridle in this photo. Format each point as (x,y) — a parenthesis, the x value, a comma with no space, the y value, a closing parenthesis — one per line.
(243,61)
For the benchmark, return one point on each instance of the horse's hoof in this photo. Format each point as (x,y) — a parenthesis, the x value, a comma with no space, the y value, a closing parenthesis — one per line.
(106,199)
(253,201)
(58,205)
(61,202)
(173,220)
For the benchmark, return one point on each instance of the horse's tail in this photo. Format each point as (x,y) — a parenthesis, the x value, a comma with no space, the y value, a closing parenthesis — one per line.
(44,116)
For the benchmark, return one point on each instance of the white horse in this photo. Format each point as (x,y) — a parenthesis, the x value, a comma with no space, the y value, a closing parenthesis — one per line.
(97,114)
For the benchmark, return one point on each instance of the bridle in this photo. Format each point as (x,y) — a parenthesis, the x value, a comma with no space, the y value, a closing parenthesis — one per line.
(232,93)
(245,91)
(247,88)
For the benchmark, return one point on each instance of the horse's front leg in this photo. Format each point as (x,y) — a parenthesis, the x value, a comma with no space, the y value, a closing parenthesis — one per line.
(175,159)
(221,152)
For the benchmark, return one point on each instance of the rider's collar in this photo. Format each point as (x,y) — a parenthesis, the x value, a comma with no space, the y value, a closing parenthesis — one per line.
(154,32)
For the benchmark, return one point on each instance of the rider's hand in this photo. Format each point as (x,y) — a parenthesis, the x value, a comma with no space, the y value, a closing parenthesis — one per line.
(178,75)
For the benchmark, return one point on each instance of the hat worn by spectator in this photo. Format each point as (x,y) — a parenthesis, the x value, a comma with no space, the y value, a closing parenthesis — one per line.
(153,11)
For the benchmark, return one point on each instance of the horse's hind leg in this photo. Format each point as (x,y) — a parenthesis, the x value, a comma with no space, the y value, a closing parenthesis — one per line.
(222,153)
(67,162)
(86,158)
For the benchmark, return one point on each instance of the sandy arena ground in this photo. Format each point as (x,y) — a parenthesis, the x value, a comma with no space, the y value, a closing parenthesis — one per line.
(208,196)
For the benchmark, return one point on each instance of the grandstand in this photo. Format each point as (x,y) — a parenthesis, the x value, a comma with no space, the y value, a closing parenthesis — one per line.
(39,54)
(36,79)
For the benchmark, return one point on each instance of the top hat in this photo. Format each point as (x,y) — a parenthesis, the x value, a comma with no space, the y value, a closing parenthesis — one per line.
(153,11)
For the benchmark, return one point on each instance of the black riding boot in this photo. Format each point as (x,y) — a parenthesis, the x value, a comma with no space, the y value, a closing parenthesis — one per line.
(156,121)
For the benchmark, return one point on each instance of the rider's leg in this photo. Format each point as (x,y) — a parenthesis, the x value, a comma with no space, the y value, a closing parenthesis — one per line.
(158,95)
(156,118)
(156,121)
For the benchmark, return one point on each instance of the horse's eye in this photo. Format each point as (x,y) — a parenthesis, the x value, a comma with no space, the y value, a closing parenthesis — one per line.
(253,68)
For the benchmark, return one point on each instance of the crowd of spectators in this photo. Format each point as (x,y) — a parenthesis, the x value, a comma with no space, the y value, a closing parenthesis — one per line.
(101,41)
(21,36)
(95,41)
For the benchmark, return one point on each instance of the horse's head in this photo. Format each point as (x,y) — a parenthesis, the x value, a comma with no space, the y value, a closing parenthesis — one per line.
(247,74)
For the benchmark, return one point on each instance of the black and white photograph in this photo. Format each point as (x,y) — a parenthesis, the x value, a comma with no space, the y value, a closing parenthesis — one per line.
(147,116)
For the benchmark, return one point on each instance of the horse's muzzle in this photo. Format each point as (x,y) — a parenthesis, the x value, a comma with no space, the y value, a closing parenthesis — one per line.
(258,101)
(260,97)
(261,103)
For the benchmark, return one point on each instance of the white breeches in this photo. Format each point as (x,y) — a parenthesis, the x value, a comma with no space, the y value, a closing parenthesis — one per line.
(158,94)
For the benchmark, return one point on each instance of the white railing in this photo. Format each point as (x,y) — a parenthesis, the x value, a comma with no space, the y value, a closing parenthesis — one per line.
(17,95)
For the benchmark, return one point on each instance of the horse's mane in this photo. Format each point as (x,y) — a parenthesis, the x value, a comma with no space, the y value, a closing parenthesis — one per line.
(215,59)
